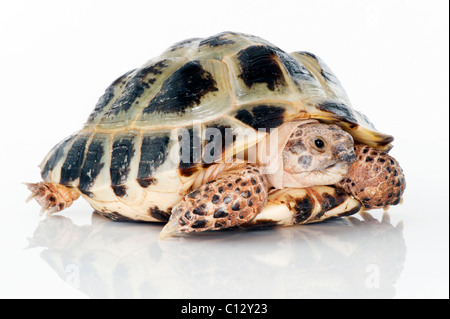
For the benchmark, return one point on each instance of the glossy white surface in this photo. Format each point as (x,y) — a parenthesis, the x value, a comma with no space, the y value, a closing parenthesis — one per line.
(392,58)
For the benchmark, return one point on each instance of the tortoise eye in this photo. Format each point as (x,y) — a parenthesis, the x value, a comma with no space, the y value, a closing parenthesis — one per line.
(319,143)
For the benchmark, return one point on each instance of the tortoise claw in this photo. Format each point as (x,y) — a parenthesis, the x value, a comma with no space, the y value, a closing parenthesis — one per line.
(52,197)
(170,229)
(32,196)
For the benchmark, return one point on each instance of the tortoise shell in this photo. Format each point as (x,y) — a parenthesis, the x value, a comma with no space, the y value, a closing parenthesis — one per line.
(129,157)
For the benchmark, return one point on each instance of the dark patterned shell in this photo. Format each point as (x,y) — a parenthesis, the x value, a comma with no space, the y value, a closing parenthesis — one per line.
(129,151)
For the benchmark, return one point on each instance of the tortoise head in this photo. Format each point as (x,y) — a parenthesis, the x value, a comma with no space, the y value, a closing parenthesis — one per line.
(317,154)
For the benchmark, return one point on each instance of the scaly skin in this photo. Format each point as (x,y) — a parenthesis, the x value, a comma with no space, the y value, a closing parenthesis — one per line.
(233,199)
(52,197)
(375,179)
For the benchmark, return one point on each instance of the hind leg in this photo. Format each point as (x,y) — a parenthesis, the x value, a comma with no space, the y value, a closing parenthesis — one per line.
(235,198)
(52,197)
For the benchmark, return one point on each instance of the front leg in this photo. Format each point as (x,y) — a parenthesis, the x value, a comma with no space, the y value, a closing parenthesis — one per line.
(235,198)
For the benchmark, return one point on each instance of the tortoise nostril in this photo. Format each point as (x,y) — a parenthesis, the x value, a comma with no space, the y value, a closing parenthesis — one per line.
(348,157)
(344,153)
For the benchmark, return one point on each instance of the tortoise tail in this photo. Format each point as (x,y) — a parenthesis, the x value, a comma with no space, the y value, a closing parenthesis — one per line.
(52,197)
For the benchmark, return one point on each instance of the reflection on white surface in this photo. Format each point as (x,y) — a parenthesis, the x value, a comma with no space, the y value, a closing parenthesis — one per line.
(338,259)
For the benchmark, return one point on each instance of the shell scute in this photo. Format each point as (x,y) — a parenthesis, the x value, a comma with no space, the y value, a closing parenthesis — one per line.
(258,64)
(54,158)
(154,152)
(196,91)
(190,144)
(125,98)
(122,154)
(111,92)
(71,168)
(94,163)
(135,87)
(183,89)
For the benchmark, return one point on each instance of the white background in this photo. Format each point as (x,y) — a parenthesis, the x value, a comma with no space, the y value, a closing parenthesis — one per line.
(57,58)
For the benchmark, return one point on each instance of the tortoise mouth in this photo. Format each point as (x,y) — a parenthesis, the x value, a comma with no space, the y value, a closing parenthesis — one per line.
(331,165)
(346,160)
(333,173)
(329,175)
(338,165)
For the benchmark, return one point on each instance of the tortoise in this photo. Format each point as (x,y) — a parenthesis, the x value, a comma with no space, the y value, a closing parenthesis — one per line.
(223,132)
